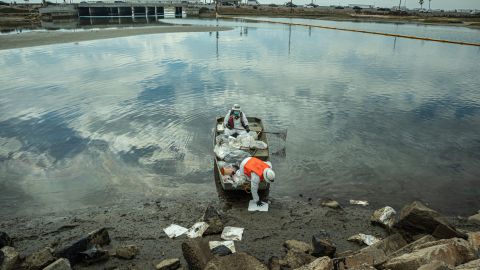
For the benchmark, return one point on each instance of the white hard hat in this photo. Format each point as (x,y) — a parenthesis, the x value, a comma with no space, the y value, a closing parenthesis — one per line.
(236,107)
(269,175)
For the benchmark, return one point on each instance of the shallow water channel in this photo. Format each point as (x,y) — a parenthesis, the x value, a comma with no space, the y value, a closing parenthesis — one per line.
(382,119)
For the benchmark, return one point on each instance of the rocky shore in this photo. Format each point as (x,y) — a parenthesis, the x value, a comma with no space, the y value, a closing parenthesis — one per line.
(295,234)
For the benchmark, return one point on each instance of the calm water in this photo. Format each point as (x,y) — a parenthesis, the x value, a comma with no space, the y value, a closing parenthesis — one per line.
(369,117)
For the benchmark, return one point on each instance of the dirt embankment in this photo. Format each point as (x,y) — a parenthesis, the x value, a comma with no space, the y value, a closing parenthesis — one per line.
(18,16)
(345,15)
(140,224)
(30,39)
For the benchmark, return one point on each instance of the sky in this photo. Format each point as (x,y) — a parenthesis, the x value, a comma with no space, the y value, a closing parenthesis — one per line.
(435,4)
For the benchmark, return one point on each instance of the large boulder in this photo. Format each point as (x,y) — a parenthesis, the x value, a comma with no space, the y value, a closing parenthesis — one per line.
(413,245)
(322,263)
(236,261)
(436,265)
(60,264)
(472,265)
(5,240)
(453,252)
(376,254)
(297,246)
(10,258)
(73,251)
(168,264)
(214,220)
(39,259)
(416,218)
(196,252)
(322,246)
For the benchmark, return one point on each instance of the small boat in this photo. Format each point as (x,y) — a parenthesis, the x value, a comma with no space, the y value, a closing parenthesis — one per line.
(255,125)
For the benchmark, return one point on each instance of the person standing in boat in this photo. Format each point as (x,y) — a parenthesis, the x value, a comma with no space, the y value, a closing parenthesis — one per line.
(235,122)
(256,170)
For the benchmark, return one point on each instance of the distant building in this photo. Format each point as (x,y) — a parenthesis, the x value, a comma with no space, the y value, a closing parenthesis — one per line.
(253,3)
(360,6)
(228,2)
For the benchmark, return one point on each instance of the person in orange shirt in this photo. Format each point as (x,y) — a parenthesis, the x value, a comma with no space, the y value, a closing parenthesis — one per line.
(256,171)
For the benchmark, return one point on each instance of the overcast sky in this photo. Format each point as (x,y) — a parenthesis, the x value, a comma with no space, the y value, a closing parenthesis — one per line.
(435,4)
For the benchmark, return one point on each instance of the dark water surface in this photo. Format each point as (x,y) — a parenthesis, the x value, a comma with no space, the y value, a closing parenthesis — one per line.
(369,117)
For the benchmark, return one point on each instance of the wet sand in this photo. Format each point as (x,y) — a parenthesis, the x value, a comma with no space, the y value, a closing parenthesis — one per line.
(141,223)
(39,38)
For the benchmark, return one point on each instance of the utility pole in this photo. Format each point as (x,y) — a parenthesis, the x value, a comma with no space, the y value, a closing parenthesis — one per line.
(399,5)
(429,2)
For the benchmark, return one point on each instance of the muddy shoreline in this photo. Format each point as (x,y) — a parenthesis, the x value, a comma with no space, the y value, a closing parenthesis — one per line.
(39,38)
(141,223)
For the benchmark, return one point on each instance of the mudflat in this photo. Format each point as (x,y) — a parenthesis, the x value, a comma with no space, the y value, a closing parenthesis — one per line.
(39,38)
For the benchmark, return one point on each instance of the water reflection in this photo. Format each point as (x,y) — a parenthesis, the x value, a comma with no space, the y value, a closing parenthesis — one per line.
(104,120)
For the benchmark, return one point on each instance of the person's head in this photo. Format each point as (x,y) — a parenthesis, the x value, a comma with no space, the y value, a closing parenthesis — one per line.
(269,175)
(236,110)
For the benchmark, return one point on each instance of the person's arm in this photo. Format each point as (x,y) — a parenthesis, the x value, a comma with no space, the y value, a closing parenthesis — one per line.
(225,120)
(245,121)
(254,182)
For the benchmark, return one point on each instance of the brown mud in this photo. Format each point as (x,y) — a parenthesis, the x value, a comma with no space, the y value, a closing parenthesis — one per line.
(141,223)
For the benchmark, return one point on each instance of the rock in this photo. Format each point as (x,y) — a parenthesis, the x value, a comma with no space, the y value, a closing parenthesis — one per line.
(375,254)
(354,261)
(295,259)
(298,246)
(214,220)
(126,252)
(5,240)
(416,218)
(196,252)
(1,257)
(221,250)
(93,255)
(10,258)
(412,246)
(60,264)
(474,240)
(364,239)
(472,265)
(330,203)
(39,259)
(274,263)
(475,218)
(322,263)
(436,265)
(453,251)
(322,247)
(236,261)
(168,264)
(72,251)
(384,216)
(363,267)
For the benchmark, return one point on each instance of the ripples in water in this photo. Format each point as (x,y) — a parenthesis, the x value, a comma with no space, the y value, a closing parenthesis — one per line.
(368,117)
